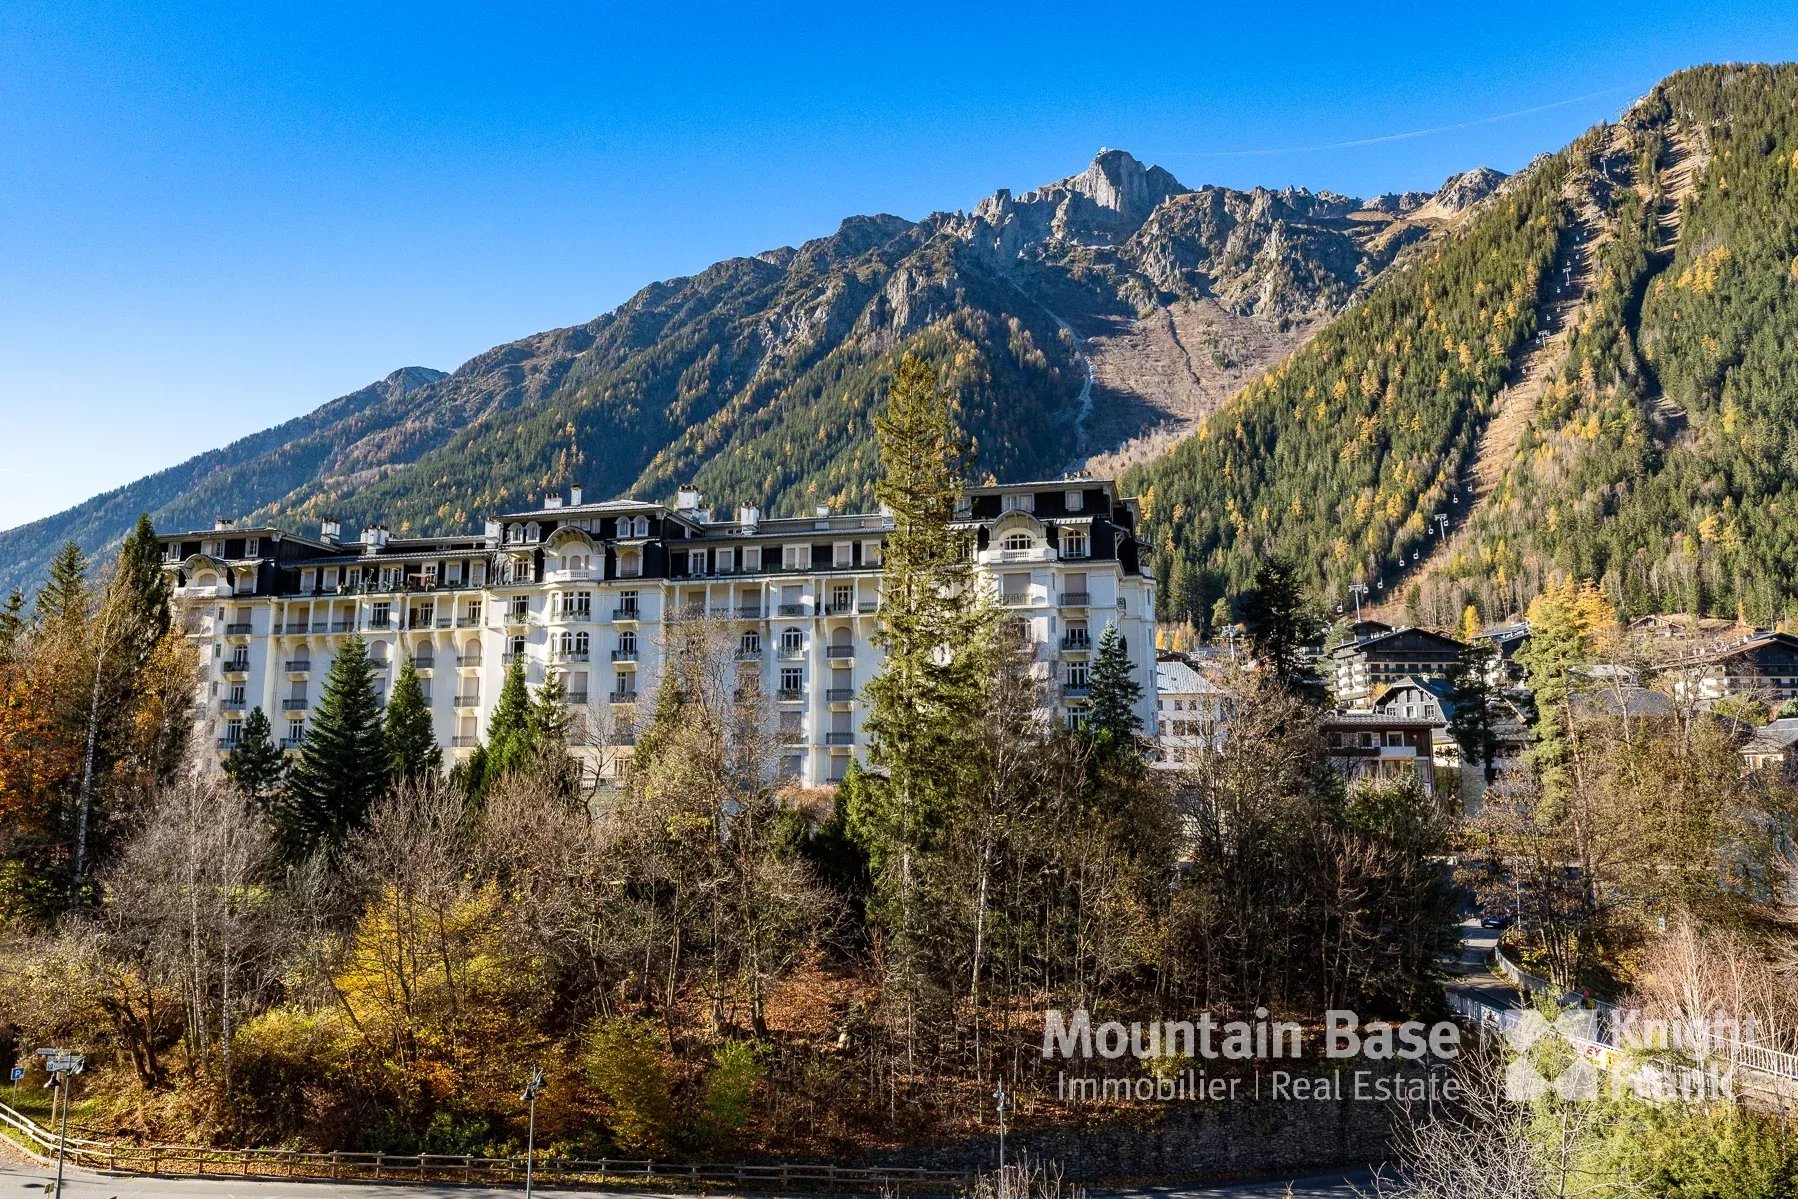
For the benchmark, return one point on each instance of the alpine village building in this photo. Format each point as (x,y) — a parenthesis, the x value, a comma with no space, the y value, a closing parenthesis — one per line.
(584,592)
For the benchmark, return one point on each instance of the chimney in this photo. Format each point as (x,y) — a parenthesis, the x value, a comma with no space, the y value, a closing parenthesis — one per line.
(747,516)
(574,496)
(822,512)
(374,537)
(329,531)
(552,501)
(686,499)
(220,523)
(494,531)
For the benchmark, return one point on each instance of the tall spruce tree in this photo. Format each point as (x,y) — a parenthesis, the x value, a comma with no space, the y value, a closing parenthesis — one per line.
(1111,719)
(343,764)
(511,736)
(412,749)
(66,597)
(255,765)
(922,704)
(12,625)
(137,597)
(1278,622)
(1475,717)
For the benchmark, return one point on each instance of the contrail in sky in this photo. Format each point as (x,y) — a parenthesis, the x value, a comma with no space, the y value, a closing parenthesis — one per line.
(1399,137)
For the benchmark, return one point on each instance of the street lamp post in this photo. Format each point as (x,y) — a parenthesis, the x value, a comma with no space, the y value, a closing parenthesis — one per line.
(531,1089)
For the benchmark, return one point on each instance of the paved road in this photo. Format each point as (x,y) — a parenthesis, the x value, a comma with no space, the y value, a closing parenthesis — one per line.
(1329,1184)
(1469,973)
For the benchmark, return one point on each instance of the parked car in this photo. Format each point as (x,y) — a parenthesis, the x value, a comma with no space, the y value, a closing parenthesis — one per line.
(1496,920)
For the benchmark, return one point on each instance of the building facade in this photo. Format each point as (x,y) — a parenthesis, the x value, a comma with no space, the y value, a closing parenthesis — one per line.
(583,593)
(1364,665)
(1189,713)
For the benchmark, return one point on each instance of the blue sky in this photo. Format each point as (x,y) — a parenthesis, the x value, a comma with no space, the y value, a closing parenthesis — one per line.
(216,217)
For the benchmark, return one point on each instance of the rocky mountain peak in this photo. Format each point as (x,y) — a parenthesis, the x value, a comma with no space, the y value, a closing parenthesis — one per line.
(1461,192)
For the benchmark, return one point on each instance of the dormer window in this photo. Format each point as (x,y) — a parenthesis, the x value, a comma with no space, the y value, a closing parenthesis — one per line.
(1075,500)
(1020,502)
(252,547)
(1074,544)
(533,531)
(624,526)
(1016,541)
(641,526)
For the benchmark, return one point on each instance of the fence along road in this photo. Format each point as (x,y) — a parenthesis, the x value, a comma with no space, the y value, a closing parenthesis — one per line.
(192,1161)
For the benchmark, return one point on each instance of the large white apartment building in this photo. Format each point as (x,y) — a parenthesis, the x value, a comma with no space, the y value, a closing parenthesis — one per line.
(583,591)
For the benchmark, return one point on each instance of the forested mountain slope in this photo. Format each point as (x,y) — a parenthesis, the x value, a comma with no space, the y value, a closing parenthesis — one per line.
(1074,319)
(1593,377)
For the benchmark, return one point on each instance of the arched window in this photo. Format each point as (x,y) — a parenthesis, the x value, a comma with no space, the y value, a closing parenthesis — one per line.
(513,533)
(624,526)
(1016,541)
(471,652)
(792,640)
(642,526)
(532,531)
(377,653)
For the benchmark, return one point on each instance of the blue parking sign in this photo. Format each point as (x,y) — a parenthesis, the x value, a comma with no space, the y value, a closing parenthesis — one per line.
(18,1072)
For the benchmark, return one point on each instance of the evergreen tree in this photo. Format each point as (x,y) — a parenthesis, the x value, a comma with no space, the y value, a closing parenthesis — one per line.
(1111,721)
(1278,622)
(65,597)
(922,704)
(137,596)
(343,763)
(412,748)
(511,736)
(1475,707)
(255,765)
(12,624)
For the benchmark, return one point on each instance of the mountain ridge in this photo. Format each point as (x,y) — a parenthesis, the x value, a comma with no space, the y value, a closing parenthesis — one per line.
(758,376)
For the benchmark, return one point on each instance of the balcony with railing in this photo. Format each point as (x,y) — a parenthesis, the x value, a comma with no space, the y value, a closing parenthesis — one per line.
(839,651)
(468,661)
(1076,599)
(791,736)
(232,705)
(380,622)
(578,698)
(839,738)
(238,628)
(622,697)
(296,626)
(624,737)
(624,655)
(788,695)
(1076,690)
(342,626)
(468,701)
(790,653)
(507,659)
(291,742)
(749,611)
(866,606)
(516,616)
(570,655)
(838,695)
(299,665)
(298,704)
(626,613)
(792,609)
(227,743)
(464,742)
(236,666)
(847,608)
(424,661)
(444,622)
(1077,644)
(1014,599)
(749,655)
